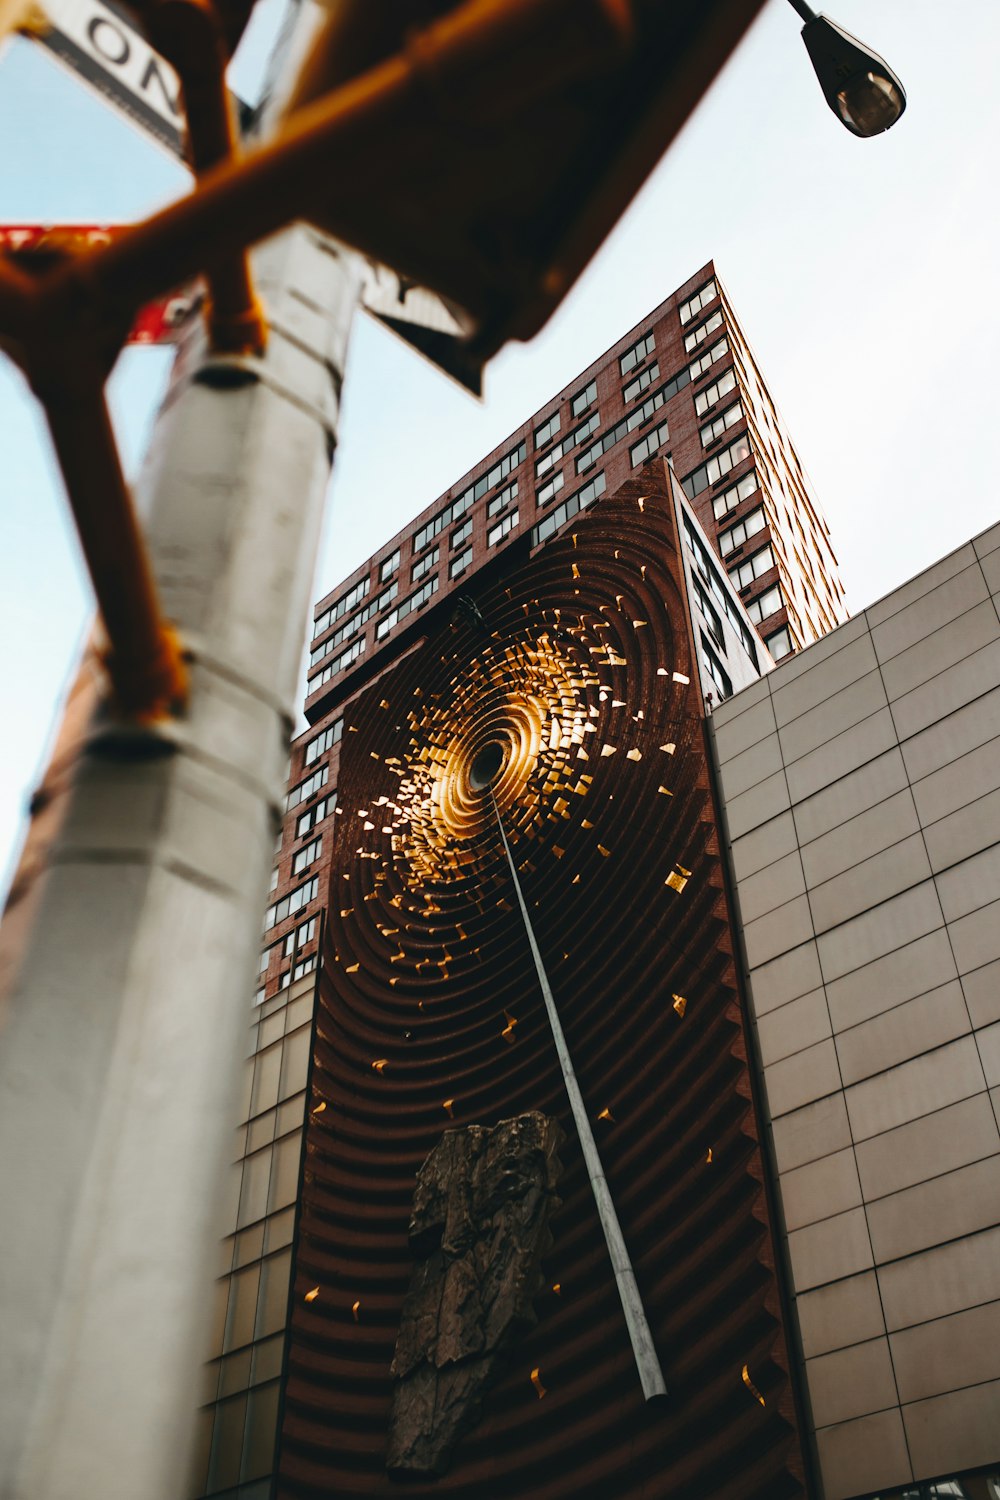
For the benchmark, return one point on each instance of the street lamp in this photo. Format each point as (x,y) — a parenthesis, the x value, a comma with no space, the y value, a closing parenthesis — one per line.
(859,86)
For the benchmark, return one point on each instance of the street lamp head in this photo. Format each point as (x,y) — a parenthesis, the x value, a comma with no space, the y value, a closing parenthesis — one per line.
(859,86)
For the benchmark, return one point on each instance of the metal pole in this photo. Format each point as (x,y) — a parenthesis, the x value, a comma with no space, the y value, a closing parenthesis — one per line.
(805,11)
(125,1028)
(647,1361)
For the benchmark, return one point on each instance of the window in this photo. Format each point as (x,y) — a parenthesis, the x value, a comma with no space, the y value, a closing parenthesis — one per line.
(768,603)
(717,467)
(499,532)
(578,435)
(693,306)
(709,612)
(315,748)
(722,423)
(650,444)
(502,499)
(583,398)
(461,534)
(297,939)
(389,566)
(735,495)
(737,535)
(305,856)
(700,334)
(309,786)
(293,902)
(780,643)
(641,383)
(567,509)
(304,966)
(711,393)
(705,361)
(265,959)
(637,353)
(307,821)
(407,607)
(547,431)
(460,563)
(428,561)
(342,607)
(339,664)
(761,562)
(719,590)
(713,666)
(549,490)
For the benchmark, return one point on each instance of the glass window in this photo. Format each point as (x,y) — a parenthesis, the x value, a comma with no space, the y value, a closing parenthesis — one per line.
(780,643)
(714,392)
(767,603)
(425,563)
(754,567)
(305,856)
(341,607)
(717,467)
(583,398)
(505,527)
(578,435)
(738,534)
(710,357)
(713,666)
(721,424)
(415,601)
(389,566)
(502,499)
(547,431)
(460,563)
(550,489)
(461,534)
(637,353)
(650,444)
(700,334)
(641,383)
(734,495)
(693,306)
(567,509)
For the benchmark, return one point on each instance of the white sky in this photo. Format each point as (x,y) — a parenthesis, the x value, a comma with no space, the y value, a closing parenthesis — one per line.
(863,272)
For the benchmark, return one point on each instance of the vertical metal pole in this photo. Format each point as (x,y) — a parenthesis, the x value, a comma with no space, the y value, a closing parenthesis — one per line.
(125,1028)
(646,1359)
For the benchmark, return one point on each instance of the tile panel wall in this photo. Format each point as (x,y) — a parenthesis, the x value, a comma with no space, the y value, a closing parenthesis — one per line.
(861,787)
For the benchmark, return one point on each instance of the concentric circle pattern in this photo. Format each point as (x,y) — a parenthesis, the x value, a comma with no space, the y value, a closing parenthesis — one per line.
(576,676)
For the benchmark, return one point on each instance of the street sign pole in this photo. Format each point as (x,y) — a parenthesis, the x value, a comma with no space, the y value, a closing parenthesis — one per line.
(125,1020)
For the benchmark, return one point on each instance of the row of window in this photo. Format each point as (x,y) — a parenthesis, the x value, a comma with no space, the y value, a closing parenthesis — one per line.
(756,566)
(721,424)
(324,741)
(713,666)
(406,607)
(460,563)
(293,902)
(571,440)
(567,509)
(461,534)
(642,382)
(583,398)
(341,607)
(714,392)
(768,603)
(306,856)
(354,624)
(735,495)
(651,443)
(717,467)
(547,431)
(339,664)
(614,434)
(307,821)
(312,783)
(700,334)
(500,470)
(637,353)
(706,567)
(502,499)
(549,489)
(709,612)
(694,304)
(424,564)
(505,527)
(736,535)
(389,566)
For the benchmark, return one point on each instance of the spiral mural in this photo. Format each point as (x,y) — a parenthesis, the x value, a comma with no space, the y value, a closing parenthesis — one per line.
(564,692)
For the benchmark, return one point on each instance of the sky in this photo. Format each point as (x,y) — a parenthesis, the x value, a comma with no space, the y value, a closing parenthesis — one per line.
(862,271)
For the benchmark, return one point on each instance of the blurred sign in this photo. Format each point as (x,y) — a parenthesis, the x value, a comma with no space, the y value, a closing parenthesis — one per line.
(97,41)
(159,322)
(429,323)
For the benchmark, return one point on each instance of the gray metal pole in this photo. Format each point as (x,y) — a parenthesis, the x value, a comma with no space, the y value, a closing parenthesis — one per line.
(647,1361)
(125,1031)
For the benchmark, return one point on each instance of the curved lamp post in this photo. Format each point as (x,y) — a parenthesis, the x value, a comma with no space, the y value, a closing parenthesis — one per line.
(859,86)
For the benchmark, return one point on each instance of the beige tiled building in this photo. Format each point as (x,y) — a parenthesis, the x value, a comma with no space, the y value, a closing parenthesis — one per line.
(860,783)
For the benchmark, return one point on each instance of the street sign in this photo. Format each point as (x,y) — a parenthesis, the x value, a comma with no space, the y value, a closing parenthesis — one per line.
(100,45)
(159,322)
(429,323)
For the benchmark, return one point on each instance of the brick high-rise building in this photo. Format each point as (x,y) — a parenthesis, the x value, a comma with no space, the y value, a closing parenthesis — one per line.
(585,638)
